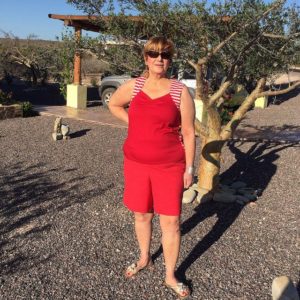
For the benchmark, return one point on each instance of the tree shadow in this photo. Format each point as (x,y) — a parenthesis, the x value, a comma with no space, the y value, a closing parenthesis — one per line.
(30,195)
(284,134)
(255,167)
(79,133)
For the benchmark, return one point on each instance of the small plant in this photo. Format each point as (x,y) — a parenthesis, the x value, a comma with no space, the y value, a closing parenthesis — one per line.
(28,110)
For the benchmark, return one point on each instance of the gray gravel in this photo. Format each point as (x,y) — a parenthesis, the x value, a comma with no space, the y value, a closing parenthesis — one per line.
(66,235)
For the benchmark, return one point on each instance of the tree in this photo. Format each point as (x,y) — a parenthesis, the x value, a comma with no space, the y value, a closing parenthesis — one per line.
(34,59)
(242,41)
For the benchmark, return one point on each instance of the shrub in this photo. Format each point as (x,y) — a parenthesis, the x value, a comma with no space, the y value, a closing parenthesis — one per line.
(28,110)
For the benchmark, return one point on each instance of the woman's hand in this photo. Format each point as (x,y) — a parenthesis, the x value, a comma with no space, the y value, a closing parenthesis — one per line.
(187,179)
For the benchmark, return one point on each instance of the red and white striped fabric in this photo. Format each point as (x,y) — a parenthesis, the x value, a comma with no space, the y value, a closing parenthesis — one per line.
(139,83)
(175,92)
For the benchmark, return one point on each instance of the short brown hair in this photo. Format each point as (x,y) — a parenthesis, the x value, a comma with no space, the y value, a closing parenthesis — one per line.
(159,43)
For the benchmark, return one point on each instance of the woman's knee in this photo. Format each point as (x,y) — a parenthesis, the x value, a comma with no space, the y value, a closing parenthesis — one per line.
(143,217)
(170,223)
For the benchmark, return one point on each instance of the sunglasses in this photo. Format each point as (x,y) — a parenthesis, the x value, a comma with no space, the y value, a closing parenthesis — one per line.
(163,55)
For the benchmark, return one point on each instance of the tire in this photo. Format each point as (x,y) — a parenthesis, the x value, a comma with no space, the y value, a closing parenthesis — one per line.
(106,94)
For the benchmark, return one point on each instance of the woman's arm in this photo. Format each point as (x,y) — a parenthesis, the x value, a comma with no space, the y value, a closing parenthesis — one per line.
(120,99)
(187,109)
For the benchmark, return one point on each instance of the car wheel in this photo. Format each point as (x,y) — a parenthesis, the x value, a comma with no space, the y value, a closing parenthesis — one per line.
(107,93)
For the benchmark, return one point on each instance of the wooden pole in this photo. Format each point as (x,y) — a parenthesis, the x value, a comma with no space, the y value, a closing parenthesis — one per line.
(77,58)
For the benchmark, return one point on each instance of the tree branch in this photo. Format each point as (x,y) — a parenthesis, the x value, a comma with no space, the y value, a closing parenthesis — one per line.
(243,27)
(280,92)
(230,127)
(282,37)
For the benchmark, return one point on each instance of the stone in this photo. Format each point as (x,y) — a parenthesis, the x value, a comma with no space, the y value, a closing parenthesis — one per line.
(251,197)
(11,111)
(284,289)
(194,187)
(246,190)
(189,196)
(57,125)
(224,197)
(65,130)
(243,199)
(238,184)
(57,136)
(240,202)
(226,189)
(204,198)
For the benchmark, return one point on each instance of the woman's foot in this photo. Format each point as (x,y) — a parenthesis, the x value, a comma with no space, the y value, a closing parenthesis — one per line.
(140,265)
(181,290)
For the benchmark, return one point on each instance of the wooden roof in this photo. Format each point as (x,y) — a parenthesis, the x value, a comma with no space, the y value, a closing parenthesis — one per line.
(84,22)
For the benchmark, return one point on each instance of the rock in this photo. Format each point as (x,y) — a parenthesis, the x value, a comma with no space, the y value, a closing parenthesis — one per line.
(242,199)
(202,191)
(284,289)
(246,190)
(227,181)
(251,197)
(238,184)
(57,136)
(57,125)
(65,129)
(224,197)
(240,202)
(204,198)
(194,187)
(227,189)
(189,196)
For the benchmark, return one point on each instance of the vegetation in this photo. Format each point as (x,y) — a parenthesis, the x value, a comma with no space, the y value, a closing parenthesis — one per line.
(227,43)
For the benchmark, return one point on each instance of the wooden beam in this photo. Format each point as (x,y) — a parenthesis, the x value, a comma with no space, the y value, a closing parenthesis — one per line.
(77,58)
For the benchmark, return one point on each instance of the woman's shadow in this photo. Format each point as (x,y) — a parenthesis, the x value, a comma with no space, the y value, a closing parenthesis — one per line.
(249,167)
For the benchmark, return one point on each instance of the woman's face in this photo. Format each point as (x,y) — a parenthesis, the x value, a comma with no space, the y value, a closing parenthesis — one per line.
(158,61)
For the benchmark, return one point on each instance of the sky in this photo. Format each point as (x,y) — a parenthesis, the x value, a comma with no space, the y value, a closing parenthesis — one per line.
(25,17)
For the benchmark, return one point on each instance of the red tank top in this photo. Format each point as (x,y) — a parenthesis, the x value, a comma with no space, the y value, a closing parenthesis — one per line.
(153,129)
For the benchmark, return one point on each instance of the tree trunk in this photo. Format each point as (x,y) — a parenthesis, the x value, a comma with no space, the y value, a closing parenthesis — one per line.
(211,147)
(33,75)
(209,168)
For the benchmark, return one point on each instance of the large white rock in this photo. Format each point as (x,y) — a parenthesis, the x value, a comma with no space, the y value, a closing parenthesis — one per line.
(189,196)
(284,289)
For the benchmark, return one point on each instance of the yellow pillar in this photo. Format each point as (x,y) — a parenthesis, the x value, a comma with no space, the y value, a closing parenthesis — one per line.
(77,93)
(261,102)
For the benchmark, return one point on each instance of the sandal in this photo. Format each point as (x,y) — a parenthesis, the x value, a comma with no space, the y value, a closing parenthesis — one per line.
(180,289)
(133,269)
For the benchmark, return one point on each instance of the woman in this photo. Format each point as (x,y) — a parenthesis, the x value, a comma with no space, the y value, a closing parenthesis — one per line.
(157,165)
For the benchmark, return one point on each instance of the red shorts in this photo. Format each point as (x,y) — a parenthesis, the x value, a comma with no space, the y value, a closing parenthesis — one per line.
(153,188)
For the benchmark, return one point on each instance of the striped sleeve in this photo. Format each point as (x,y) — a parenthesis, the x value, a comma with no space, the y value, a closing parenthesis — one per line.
(176,90)
(138,85)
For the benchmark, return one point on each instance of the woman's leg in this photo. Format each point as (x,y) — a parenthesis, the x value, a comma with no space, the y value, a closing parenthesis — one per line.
(170,227)
(143,230)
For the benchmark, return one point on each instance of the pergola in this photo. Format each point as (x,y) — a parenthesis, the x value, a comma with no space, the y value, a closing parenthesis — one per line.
(86,23)
(76,93)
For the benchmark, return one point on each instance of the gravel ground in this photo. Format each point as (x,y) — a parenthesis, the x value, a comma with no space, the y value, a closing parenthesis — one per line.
(66,235)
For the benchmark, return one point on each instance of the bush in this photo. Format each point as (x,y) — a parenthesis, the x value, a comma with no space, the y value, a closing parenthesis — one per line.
(28,110)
